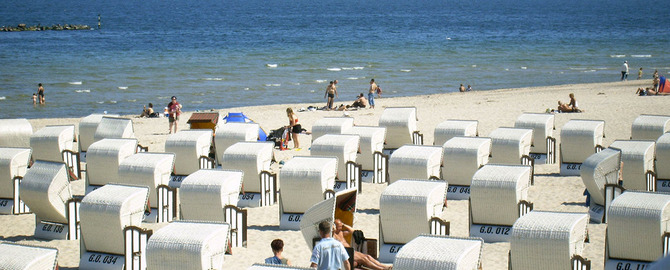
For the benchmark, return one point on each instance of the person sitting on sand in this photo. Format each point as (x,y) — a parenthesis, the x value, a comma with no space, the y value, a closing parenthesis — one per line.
(277,246)
(571,107)
(361,102)
(149,112)
(340,231)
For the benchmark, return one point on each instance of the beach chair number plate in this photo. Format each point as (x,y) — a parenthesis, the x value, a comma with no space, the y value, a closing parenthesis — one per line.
(539,158)
(614,264)
(570,169)
(596,213)
(94,260)
(458,192)
(491,233)
(663,185)
(91,188)
(290,221)
(339,186)
(388,252)
(48,230)
(6,206)
(175,180)
(249,199)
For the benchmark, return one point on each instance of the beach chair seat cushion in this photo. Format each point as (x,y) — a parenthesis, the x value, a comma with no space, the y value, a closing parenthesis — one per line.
(415,161)
(46,190)
(188,245)
(462,157)
(204,193)
(13,162)
(454,128)
(188,146)
(440,252)
(304,180)
(496,191)
(250,157)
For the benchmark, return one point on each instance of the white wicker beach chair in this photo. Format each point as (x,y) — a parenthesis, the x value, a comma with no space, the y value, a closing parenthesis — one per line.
(104,157)
(345,148)
(511,145)
(15,132)
(188,146)
(408,208)
(455,128)
(373,162)
(87,127)
(188,245)
(14,163)
(401,127)
(22,257)
(650,127)
(550,241)
(579,140)
(415,162)
(543,149)
(305,181)
(638,157)
(254,159)
(342,206)
(601,174)
(55,143)
(114,128)
(637,230)
(427,252)
(231,133)
(152,170)
(331,125)
(462,157)
(45,188)
(498,197)
(262,266)
(662,158)
(110,220)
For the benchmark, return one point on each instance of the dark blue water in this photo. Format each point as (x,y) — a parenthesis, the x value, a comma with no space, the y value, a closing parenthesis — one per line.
(219,54)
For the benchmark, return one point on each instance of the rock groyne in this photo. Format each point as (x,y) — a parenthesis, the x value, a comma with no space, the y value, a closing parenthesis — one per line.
(55,27)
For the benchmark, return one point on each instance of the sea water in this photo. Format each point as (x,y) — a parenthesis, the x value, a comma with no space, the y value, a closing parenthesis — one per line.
(228,53)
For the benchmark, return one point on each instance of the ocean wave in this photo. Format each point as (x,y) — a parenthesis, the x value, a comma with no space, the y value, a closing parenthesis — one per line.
(524,68)
(294,83)
(213,79)
(100,102)
(589,71)
(617,55)
(641,55)
(474,65)
(196,101)
(113,101)
(321,81)
(352,78)
(123,87)
(406,70)
(131,100)
(271,65)
(347,68)
(312,91)
(334,69)
(246,89)
(75,83)
(358,68)
(83,91)
(577,68)
(273,84)
(3,98)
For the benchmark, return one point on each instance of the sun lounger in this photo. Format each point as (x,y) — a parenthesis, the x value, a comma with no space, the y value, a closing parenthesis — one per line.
(462,157)
(331,125)
(638,157)
(549,241)
(408,208)
(188,245)
(415,162)
(512,146)
(401,127)
(87,127)
(188,146)
(231,133)
(262,266)
(650,127)
(543,149)
(662,158)
(254,159)
(428,252)
(342,206)
(579,140)
(55,143)
(601,174)
(211,195)
(455,128)
(152,170)
(305,181)
(45,188)
(14,163)
(637,230)
(345,148)
(15,132)
(373,161)
(498,197)
(104,157)
(23,257)
(110,232)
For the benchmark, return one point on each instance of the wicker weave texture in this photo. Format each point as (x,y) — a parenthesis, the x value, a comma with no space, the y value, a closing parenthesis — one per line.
(188,146)
(428,252)
(510,144)
(462,157)
(579,139)
(638,158)
(331,125)
(343,147)
(87,128)
(542,125)
(372,140)
(415,162)
(400,123)
(13,162)
(321,211)
(49,142)
(250,157)
(304,180)
(45,189)
(114,128)
(22,257)
(650,127)
(231,133)
(103,159)
(599,169)
(15,132)
(204,193)
(147,169)
(663,156)
(188,245)
(496,191)
(454,128)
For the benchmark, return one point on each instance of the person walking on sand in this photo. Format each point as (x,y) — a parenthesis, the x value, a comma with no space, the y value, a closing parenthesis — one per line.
(40,93)
(371,93)
(329,254)
(174,110)
(331,93)
(624,71)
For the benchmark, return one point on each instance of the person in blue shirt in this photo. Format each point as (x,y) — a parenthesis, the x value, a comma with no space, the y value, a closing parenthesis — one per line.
(277,248)
(329,254)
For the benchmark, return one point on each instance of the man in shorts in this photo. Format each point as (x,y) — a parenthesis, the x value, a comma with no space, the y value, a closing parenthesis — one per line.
(329,254)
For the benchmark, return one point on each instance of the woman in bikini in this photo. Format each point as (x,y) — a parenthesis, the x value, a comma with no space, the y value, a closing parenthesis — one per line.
(295,128)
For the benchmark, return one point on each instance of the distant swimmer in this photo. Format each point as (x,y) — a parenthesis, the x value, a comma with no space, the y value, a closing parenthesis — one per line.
(331,93)
(462,88)
(40,93)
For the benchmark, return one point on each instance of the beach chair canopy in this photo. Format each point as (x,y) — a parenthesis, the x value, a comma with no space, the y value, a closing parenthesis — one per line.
(106,212)
(579,139)
(22,257)
(87,127)
(462,157)
(341,206)
(49,142)
(454,128)
(427,252)
(251,158)
(234,132)
(13,162)
(147,169)
(239,117)
(304,180)
(415,161)
(406,206)
(600,169)
(188,245)
(547,240)
(371,141)
(650,127)
(114,128)
(45,188)
(204,193)
(188,146)
(103,158)
(15,132)
(636,223)
(638,157)
(331,125)
(542,125)
(496,191)
(508,145)
(343,147)
(663,156)
(400,123)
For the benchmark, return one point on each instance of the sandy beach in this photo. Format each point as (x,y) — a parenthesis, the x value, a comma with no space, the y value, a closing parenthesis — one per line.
(615,103)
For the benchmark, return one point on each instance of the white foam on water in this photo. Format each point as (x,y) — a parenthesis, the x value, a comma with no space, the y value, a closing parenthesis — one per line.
(75,83)
(448,38)
(577,68)
(295,83)
(3,98)
(406,70)
(213,79)
(246,89)
(271,65)
(196,101)
(589,71)
(617,55)
(273,84)
(123,87)
(358,68)
(321,81)
(641,55)
(507,69)
(347,68)
(83,91)
(131,100)
(352,78)
(394,91)
(334,69)
(524,67)
(113,101)
(99,102)
(312,91)
(474,65)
